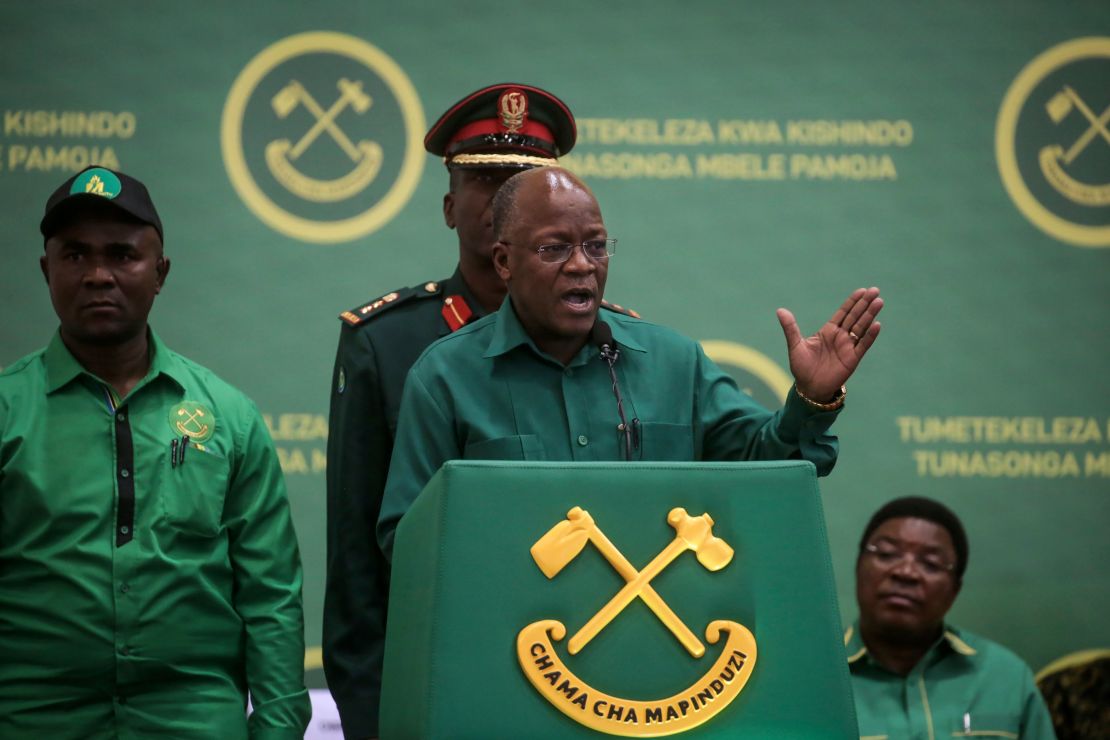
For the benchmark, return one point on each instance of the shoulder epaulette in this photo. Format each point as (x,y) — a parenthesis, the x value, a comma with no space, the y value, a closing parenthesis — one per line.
(378,306)
(619,309)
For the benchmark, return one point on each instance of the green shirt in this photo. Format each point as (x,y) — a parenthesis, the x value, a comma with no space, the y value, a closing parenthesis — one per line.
(141,598)
(487,392)
(965,686)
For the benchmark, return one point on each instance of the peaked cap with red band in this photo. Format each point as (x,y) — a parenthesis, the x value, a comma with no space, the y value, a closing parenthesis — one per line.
(506,125)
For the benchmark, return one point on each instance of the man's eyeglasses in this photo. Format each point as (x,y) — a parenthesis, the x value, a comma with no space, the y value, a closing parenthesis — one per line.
(595,249)
(887,556)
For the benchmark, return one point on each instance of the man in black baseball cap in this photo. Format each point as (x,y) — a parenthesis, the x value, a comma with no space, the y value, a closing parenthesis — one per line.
(149,573)
(483,139)
(99,188)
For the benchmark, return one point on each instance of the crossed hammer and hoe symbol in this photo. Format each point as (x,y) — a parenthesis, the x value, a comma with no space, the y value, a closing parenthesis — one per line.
(565,541)
(1061,104)
(350,93)
(198,427)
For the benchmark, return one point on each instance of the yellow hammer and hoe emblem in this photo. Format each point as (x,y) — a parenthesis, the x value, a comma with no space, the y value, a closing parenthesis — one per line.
(600,711)
(282,153)
(193,423)
(1054,158)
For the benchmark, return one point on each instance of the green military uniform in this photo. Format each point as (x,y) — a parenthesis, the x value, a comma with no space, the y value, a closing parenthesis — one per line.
(144,589)
(965,686)
(487,392)
(377,346)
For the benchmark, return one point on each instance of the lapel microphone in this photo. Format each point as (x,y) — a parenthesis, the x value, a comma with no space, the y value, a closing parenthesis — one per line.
(601,336)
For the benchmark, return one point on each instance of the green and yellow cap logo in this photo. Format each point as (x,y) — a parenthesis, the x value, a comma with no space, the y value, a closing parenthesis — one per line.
(96,181)
(194,420)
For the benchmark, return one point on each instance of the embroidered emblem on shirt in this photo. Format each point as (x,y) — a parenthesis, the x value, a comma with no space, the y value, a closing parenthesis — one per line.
(194,420)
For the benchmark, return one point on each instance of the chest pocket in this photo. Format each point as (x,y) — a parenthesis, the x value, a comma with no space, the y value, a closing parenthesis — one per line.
(519,447)
(660,441)
(193,492)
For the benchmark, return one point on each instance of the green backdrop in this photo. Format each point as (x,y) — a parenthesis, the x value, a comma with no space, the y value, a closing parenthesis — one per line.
(747,155)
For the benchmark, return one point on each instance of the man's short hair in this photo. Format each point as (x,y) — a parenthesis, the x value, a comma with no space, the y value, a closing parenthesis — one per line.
(919,507)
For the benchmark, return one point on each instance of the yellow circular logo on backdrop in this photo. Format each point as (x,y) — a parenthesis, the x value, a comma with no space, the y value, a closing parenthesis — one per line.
(1052,141)
(755,373)
(322,137)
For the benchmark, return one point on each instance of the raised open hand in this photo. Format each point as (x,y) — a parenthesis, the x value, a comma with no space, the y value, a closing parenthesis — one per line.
(823,362)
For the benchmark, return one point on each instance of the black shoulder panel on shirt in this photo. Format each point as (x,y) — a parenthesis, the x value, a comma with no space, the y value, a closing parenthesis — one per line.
(361,314)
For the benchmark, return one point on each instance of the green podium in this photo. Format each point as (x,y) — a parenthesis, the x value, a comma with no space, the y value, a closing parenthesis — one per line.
(549,600)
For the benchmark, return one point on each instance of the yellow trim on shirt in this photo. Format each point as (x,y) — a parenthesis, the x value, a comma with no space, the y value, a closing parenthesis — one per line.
(848,638)
(959,645)
(928,711)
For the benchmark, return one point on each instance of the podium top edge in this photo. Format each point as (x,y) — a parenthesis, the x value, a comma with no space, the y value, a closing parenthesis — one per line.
(618,465)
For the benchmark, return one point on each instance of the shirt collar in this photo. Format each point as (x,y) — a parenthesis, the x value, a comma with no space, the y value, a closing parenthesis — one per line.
(509,333)
(956,642)
(856,650)
(853,643)
(621,333)
(62,367)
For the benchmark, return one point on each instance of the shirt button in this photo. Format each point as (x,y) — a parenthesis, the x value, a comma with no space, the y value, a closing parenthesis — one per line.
(121,417)
(124,588)
(124,473)
(125,650)
(569,372)
(583,440)
(124,529)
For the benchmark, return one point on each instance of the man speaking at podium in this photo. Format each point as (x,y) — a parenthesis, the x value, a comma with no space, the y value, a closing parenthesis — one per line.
(543,378)
(483,139)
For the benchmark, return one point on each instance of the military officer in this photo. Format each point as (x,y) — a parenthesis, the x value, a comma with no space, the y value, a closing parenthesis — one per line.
(484,138)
